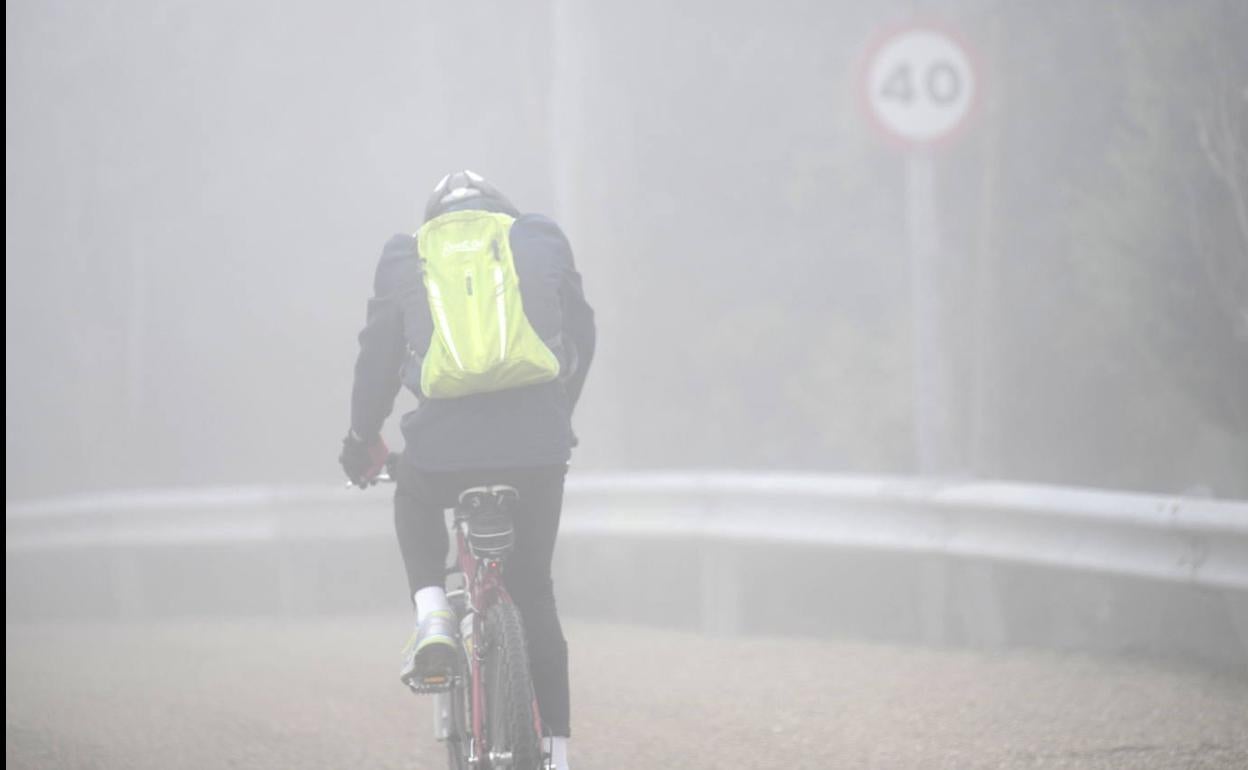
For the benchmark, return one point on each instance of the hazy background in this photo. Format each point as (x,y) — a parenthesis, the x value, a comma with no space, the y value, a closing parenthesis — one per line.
(196,195)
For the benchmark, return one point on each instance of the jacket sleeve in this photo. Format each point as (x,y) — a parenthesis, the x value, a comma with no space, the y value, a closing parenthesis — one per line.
(578,328)
(382,341)
(554,301)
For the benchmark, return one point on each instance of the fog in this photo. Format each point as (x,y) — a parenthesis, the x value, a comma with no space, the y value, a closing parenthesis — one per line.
(1052,289)
(196,196)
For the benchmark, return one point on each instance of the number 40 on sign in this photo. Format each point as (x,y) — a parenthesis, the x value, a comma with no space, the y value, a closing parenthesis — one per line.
(919,84)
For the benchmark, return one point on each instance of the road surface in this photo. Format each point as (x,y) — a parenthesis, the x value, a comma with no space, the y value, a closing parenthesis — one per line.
(323,694)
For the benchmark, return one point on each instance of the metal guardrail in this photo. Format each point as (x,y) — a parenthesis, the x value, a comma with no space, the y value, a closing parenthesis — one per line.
(1185,560)
(1192,541)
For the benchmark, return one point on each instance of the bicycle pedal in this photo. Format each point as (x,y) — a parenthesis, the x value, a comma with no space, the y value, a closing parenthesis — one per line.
(432,683)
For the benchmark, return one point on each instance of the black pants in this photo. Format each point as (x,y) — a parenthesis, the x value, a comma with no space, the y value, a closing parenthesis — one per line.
(419,503)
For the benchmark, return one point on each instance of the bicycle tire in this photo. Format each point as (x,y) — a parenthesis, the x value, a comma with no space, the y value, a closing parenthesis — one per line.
(459,738)
(511,724)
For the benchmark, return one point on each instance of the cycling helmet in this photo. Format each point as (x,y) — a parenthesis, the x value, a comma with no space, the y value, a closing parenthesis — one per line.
(466,190)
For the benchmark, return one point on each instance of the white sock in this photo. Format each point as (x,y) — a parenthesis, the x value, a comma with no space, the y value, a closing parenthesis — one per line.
(559,752)
(429,600)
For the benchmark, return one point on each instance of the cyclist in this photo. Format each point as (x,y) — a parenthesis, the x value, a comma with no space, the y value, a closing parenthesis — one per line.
(518,435)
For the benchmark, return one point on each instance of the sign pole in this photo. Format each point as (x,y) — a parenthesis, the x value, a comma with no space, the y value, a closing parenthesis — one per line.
(932,427)
(919,86)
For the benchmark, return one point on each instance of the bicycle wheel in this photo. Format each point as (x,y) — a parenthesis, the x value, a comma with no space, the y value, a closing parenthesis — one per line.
(459,736)
(511,726)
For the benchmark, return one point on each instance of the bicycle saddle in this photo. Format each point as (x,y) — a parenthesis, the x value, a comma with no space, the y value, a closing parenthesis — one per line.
(488,511)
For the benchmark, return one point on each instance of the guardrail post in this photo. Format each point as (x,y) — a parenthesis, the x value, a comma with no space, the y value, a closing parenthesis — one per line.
(287,582)
(127,584)
(720,590)
(1237,608)
(933,597)
(980,605)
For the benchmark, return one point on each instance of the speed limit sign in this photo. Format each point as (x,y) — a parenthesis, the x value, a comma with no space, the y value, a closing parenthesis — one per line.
(919,84)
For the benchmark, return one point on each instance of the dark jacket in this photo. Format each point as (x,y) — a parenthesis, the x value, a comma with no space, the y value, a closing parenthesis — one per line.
(522,427)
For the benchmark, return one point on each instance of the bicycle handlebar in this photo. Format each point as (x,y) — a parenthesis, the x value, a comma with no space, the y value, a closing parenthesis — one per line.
(387,475)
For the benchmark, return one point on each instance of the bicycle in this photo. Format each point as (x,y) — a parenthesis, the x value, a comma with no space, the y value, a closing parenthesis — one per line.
(485,711)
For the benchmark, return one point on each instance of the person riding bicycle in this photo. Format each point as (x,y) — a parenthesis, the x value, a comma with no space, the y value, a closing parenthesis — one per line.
(515,431)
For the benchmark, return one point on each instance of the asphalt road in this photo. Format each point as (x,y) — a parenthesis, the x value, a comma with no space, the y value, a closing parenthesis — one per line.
(323,694)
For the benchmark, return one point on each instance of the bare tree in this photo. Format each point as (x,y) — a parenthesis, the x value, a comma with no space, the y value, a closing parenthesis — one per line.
(1222,133)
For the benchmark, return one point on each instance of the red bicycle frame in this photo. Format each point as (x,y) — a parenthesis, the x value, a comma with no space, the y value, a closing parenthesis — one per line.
(483,587)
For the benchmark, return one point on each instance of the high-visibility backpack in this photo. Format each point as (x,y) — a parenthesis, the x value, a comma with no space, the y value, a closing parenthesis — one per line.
(482,341)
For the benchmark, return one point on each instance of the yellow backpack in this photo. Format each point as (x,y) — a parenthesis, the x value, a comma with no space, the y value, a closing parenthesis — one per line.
(482,341)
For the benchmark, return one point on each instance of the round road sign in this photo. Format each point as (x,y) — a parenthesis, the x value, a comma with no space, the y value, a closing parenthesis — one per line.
(919,84)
